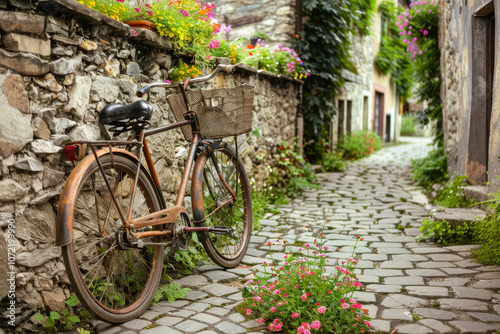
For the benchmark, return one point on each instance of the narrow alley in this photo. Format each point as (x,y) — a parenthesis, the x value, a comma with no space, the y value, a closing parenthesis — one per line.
(410,286)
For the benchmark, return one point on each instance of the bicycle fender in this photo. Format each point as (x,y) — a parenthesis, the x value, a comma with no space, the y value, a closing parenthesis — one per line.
(197,191)
(64,222)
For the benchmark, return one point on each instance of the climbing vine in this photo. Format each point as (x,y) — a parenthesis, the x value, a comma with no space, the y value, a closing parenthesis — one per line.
(324,45)
(393,57)
(419,30)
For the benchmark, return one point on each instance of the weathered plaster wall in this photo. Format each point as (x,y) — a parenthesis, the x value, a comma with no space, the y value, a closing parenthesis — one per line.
(359,86)
(56,72)
(274,18)
(463,46)
(383,84)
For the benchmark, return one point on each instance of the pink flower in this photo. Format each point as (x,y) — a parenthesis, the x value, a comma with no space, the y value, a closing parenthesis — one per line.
(147,5)
(277,291)
(295,315)
(168,81)
(316,324)
(249,311)
(322,309)
(183,12)
(300,329)
(278,326)
(137,10)
(150,13)
(352,300)
(425,32)
(306,325)
(273,309)
(261,320)
(345,305)
(120,0)
(368,323)
(304,297)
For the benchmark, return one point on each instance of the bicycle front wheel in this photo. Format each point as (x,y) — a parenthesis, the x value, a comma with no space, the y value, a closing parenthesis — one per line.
(220,208)
(113,279)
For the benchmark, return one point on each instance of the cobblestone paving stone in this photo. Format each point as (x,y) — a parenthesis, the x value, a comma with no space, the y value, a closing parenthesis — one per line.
(409,286)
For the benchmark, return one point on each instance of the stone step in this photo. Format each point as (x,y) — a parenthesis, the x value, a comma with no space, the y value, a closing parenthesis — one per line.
(459,216)
(478,194)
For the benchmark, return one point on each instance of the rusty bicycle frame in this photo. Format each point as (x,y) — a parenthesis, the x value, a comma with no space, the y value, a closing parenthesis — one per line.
(167,217)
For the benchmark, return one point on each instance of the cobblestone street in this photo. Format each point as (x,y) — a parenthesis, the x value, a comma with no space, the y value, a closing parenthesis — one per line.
(412,287)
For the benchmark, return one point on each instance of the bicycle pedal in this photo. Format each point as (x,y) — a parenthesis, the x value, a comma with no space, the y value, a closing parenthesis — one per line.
(221,230)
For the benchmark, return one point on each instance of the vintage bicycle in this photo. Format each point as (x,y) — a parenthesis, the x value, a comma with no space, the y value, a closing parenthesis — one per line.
(113,223)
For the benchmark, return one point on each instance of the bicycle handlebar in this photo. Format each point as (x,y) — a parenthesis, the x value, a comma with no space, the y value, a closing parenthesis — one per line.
(227,68)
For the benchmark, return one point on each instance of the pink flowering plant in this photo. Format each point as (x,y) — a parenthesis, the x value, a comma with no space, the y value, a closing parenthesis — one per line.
(299,296)
(277,59)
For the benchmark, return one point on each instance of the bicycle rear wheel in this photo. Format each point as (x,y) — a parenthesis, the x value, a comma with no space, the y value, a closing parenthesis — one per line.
(115,280)
(219,209)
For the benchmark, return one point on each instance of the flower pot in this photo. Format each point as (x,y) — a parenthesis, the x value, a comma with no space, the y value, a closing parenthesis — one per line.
(142,24)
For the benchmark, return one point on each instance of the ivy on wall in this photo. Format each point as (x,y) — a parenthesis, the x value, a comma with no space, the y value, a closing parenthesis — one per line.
(425,25)
(324,44)
(393,57)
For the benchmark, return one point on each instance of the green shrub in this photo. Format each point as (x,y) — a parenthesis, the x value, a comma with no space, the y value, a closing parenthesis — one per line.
(488,234)
(432,169)
(292,175)
(408,125)
(359,144)
(333,162)
(170,292)
(443,234)
(452,196)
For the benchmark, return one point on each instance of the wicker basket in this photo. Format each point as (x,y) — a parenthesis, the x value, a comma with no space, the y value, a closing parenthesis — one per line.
(222,112)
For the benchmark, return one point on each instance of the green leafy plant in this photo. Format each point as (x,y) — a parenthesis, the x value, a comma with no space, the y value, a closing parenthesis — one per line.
(488,234)
(293,173)
(393,58)
(444,234)
(333,162)
(359,144)
(408,125)
(63,320)
(452,196)
(432,169)
(170,292)
(324,45)
(420,32)
(184,261)
(298,296)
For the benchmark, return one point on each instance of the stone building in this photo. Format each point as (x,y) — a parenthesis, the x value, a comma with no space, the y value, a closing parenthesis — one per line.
(471,86)
(60,63)
(368,100)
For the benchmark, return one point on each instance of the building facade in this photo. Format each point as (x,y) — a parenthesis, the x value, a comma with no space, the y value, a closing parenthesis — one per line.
(469,40)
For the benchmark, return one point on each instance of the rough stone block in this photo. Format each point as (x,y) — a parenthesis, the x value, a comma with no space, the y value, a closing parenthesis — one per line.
(23,63)
(22,43)
(21,22)
(56,26)
(457,217)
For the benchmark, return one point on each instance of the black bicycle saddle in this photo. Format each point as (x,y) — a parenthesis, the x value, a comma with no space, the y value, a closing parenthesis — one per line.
(114,112)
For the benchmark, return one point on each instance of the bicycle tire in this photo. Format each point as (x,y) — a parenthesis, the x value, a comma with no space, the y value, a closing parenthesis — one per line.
(225,250)
(124,280)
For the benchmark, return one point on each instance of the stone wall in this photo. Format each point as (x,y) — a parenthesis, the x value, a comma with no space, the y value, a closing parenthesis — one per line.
(464,90)
(59,65)
(275,18)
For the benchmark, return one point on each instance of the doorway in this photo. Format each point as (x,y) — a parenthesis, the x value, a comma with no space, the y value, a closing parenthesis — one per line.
(378,116)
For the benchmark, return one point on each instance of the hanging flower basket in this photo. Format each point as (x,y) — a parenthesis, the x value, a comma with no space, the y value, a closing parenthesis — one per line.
(142,24)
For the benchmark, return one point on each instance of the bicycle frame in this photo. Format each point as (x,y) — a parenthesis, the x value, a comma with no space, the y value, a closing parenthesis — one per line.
(164,217)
